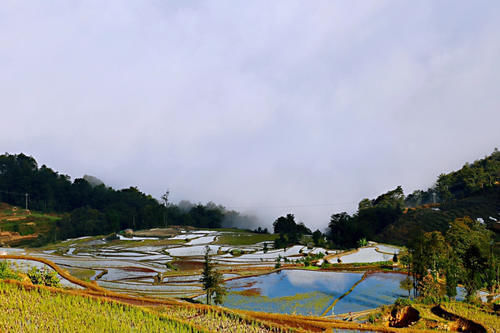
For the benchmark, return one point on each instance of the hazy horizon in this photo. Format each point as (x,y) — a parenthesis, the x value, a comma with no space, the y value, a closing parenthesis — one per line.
(265,108)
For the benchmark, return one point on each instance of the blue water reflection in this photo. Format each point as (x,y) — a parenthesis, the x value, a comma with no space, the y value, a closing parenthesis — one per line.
(291,282)
(378,289)
(311,292)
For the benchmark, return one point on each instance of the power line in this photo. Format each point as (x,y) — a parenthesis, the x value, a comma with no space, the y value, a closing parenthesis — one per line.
(25,194)
(10,192)
(296,205)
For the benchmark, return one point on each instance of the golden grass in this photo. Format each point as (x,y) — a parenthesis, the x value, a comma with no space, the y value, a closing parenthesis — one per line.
(489,320)
(41,311)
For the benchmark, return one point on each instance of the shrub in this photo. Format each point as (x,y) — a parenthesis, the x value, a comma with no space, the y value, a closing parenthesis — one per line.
(374,317)
(44,277)
(278,262)
(6,272)
(307,261)
(403,302)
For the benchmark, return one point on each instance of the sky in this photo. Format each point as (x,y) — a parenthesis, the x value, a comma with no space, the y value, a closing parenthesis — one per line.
(266,107)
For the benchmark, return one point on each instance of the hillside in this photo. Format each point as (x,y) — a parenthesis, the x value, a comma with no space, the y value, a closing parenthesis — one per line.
(392,217)
(484,205)
(92,208)
(21,227)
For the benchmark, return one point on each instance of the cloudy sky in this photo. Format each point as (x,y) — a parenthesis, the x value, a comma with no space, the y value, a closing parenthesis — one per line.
(263,106)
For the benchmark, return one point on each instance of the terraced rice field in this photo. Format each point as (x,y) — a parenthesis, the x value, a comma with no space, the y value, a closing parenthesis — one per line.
(170,267)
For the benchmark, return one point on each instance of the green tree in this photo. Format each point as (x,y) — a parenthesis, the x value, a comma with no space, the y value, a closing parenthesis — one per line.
(475,266)
(278,262)
(212,280)
(430,289)
(365,204)
(452,275)
(290,232)
(317,238)
(342,231)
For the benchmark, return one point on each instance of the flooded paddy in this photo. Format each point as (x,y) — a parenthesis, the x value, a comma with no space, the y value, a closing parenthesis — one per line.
(311,292)
(364,255)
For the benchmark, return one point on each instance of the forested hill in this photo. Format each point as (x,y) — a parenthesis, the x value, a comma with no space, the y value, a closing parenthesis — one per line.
(472,191)
(97,209)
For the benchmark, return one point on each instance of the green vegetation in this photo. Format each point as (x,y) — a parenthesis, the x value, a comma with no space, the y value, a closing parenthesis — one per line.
(472,312)
(6,272)
(43,311)
(463,255)
(44,277)
(289,231)
(212,280)
(277,265)
(472,191)
(25,223)
(481,205)
(373,216)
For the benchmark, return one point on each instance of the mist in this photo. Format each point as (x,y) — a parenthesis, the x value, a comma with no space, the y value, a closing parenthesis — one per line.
(264,108)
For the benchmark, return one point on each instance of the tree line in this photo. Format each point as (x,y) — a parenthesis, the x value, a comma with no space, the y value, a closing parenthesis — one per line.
(479,181)
(92,209)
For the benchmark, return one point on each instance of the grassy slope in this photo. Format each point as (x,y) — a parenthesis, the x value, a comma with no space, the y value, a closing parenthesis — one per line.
(43,311)
(481,205)
(26,223)
(487,319)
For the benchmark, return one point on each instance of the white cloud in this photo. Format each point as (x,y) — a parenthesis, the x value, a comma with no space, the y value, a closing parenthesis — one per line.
(249,103)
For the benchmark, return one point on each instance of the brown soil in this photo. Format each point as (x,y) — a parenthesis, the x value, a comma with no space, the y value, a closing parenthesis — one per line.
(185,265)
(138,269)
(8,237)
(460,324)
(249,292)
(404,317)
(17,218)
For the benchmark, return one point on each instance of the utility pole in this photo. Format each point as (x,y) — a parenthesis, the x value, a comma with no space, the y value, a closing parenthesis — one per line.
(164,197)
(26,197)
